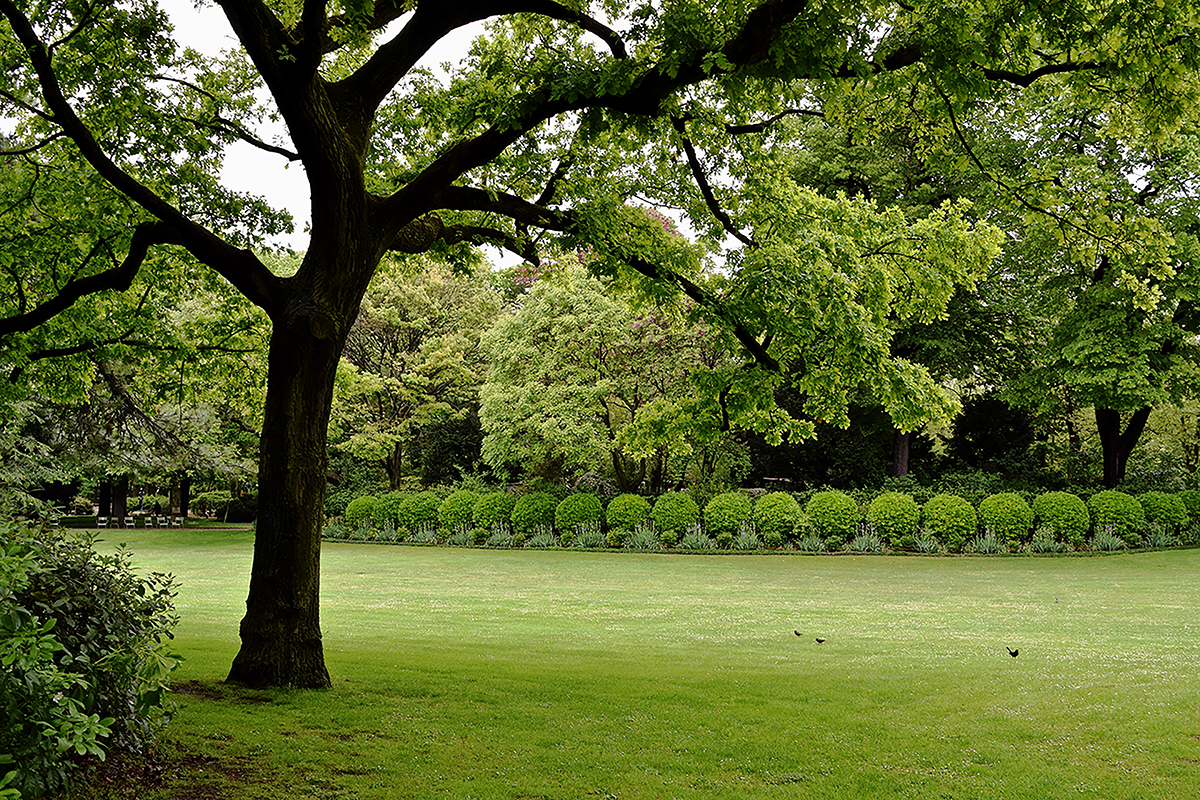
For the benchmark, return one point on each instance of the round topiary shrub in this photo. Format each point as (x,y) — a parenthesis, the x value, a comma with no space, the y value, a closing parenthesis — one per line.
(387,508)
(1119,513)
(492,509)
(1191,501)
(833,513)
(533,510)
(777,515)
(576,510)
(1008,517)
(726,513)
(416,510)
(1167,510)
(672,513)
(457,510)
(1065,514)
(360,510)
(951,519)
(627,511)
(895,517)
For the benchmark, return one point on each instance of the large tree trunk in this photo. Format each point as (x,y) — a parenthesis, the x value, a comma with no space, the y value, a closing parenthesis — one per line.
(281,632)
(1117,445)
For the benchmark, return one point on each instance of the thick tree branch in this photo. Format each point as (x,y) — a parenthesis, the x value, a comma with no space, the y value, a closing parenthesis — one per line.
(706,191)
(240,267)
(759,127)
(372,82)
(117,279)
(1027,79)
(643,97)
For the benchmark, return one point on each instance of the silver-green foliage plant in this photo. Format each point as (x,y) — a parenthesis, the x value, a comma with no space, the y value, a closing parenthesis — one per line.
(1045,540)
(895,517)
(986,543)
(1119,513)
(1008,517)
(84,655)
(1165,509)
(1107,539)
(777,515)
(833,513)
(725,513)
(1065,513)
(950,519)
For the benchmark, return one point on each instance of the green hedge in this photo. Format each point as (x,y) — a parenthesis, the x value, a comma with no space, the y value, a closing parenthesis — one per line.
(1119,512)
(1065,514)
(1008,517)
(895,517)
(627,511)
(725,514)
(833,513)
(950,519)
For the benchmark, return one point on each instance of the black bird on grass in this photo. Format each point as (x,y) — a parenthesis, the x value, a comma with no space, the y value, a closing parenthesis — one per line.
(1012,652)
(798,633)
(820,640)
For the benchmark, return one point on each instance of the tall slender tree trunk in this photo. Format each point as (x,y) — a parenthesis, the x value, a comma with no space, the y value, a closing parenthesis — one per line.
(901,451)
(1118,444)
(393,464)
(281,632)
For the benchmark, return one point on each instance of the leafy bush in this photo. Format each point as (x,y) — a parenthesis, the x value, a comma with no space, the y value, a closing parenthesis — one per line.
(833,513)
(1191,501)
(577,509)
(336,502)
(1008,516)
(777,515)
(725,513)
(894,516)
(1120,512)
(415,510)
(493,507)
(531,510)
(950,519)
(672,513)
(360,510)
(1064,513)
(84,661)
(387,508)
(627,511)
(617,537)
(204,502)
(456,510)
(1167,510)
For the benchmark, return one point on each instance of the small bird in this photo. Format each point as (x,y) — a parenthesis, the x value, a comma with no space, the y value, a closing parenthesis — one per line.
(820,639)
(1011,652)
(798,633)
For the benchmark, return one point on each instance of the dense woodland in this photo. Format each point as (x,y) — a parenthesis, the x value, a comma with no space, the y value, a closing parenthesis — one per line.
(787,240)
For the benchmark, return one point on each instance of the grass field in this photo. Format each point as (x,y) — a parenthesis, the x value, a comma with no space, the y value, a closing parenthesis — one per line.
(507,674)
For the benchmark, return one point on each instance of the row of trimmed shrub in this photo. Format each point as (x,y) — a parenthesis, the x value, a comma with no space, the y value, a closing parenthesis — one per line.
(830,516)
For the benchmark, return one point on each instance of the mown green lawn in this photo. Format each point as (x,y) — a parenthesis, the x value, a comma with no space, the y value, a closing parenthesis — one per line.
(510,674)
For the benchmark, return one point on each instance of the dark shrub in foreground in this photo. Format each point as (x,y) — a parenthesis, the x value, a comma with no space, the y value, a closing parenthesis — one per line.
(83,655)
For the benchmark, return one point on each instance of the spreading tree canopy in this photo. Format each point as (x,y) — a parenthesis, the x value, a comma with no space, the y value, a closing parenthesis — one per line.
(560,112)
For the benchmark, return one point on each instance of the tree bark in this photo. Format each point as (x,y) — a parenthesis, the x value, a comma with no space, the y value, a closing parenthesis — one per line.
(1117,445)
(281,632)
(900,453)
(394,465)
(120,490)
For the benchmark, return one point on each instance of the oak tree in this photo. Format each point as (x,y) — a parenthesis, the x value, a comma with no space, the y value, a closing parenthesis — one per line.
(557,115)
